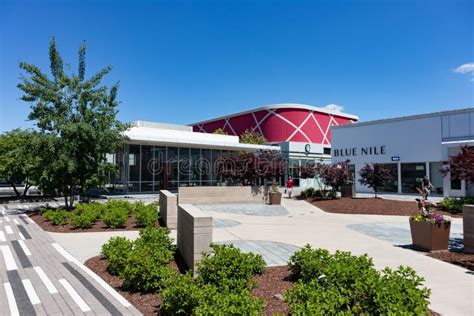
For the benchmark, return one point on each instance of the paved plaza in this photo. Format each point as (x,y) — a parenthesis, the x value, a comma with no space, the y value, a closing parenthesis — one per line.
(39,277)
(276,237)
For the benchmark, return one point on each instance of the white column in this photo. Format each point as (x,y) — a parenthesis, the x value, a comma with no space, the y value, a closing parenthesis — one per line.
(399,175)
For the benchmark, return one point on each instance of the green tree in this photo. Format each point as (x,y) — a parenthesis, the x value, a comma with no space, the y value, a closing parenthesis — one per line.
(77,117)
(220,131)
(19,159)
(252,137)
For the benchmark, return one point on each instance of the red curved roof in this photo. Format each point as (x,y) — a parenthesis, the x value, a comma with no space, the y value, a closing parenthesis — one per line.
(281,123)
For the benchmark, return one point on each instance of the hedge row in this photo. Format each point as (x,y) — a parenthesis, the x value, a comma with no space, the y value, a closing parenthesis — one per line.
(114,214)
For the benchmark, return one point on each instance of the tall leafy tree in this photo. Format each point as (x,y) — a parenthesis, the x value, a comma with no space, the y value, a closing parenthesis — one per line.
(374,176)
(461,165)
(19,159)
(252,137)
(78,118)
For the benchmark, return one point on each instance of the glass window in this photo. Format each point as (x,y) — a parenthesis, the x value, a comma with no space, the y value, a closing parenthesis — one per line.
(147,164)
(134,163)
(205,166)
(184,167)
(172,166)
(412,175)
(436,177)
(158,167)
(195,171)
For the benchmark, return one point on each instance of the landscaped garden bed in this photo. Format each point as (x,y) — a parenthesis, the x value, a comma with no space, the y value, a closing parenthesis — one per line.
(96,217)
(371,206)
(465,260)
(230,282)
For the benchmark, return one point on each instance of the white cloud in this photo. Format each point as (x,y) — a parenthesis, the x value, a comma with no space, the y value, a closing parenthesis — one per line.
(334,107)
(466,68)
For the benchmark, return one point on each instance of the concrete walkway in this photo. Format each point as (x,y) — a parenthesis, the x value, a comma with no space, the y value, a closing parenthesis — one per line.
(38,276)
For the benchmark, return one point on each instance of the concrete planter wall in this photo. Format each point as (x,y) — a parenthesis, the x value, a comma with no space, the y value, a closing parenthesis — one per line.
(194,234)
(227,194)
(468,227)
(169,209)
(430,237)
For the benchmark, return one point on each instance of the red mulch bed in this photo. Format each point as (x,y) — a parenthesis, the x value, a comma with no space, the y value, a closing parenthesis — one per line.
(372,206)
(99,226)
(465,260)
(275,280)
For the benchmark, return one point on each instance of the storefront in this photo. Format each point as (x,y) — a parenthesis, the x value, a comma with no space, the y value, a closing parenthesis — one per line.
(410,147)
(166,156)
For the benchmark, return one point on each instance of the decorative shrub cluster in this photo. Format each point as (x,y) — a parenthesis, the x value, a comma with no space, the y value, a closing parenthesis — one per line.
(342,283)
(222,287)
(454,205)
(114,214)
(316,193)
(141,263)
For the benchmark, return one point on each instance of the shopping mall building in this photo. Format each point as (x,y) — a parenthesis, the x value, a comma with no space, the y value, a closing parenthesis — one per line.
(412,147)
(166,156)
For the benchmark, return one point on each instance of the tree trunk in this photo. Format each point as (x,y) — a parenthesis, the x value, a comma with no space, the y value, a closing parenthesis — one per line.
(14,189)
(25,190)
(65,201)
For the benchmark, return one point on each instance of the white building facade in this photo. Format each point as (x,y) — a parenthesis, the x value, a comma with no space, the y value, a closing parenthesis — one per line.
(411,147)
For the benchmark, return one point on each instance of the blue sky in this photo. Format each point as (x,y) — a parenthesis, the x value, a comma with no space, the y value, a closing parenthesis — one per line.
(185,61)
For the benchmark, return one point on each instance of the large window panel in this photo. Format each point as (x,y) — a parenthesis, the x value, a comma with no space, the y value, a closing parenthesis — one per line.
(134,163)
(195,170)
(184,167)
(172,166)
(412,175)
(146,164)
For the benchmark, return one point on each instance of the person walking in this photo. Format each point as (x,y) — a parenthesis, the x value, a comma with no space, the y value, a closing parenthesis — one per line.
(289,186)
(427,187)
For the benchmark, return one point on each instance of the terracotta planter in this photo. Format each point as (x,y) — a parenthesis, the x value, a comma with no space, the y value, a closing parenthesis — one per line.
(430,237)
(274,198)
(348,190)
(468,228)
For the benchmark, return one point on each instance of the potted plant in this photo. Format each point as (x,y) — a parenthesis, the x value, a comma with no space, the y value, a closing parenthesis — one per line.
(430,232)
(274,194)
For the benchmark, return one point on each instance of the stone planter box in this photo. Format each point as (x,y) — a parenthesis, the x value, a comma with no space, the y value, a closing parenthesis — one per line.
(274,198)
(348,191)
(430,237)
(468,227)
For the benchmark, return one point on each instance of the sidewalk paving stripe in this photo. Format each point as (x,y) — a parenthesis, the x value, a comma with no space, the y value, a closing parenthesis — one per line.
(11,299)
(98,279)
(22,300)
(2,236)
(21,236)
(25,262)
(46,281)
(23,231)
(16,221)
(8,229)
(7,219)
(75,296)
(24,220)
(96,293)
(24,247)
(30,290)
(10,263)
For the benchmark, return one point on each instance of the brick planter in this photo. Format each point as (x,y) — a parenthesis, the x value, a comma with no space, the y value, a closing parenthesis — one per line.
(468,228)
(274,198)
(430,237)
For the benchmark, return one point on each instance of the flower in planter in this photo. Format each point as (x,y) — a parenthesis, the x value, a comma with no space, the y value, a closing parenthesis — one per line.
(431,218)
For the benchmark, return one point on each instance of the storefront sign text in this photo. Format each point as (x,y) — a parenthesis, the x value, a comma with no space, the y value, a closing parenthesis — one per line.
(363,151)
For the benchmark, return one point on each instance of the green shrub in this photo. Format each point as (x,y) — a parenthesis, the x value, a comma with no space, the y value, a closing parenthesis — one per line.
(181,296)
(86,214)
(115,217)
(239,302)
(343,283)
(143,273)
(121,204)
(58,217)
(156,242)
(187,296)
(229,267)
(454,205)
(307,193)
(117,250)
(146,215)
